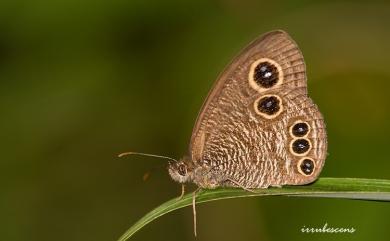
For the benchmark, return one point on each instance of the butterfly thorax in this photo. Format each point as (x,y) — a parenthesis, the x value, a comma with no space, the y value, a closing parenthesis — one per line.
(186,171)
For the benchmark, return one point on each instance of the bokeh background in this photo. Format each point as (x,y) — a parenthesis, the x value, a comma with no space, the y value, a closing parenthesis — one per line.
(81,81)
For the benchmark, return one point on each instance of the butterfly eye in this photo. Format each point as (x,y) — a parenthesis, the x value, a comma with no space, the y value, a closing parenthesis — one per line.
(182,170)
(306,166)
(300,129)
(300,146)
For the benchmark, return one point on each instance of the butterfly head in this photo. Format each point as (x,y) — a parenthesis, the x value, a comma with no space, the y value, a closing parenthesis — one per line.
(181,171)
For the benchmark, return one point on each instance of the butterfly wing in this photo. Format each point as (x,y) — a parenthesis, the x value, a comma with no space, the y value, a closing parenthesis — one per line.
(247,127)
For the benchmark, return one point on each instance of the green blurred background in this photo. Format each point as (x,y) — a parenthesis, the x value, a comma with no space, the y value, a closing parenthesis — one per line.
(81,81)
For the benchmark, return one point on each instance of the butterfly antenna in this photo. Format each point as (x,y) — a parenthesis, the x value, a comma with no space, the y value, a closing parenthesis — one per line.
(146,154)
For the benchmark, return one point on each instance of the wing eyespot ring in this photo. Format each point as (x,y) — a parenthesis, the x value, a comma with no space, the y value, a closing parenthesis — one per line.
(299,129)
(264,74)
(300,146)
(306,166)
(268,106)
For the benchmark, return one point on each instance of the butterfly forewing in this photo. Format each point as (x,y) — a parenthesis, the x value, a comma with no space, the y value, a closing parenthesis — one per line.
(257,126)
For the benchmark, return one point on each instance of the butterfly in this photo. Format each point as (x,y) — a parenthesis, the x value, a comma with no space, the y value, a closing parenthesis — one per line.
(258,127)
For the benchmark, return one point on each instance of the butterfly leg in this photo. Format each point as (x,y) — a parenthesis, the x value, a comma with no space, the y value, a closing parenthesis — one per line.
(183,189)
(194,207)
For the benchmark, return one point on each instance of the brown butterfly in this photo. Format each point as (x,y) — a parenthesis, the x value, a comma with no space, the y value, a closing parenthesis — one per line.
(258,127)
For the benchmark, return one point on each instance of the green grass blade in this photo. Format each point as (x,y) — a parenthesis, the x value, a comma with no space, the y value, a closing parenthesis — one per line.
(347,188)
